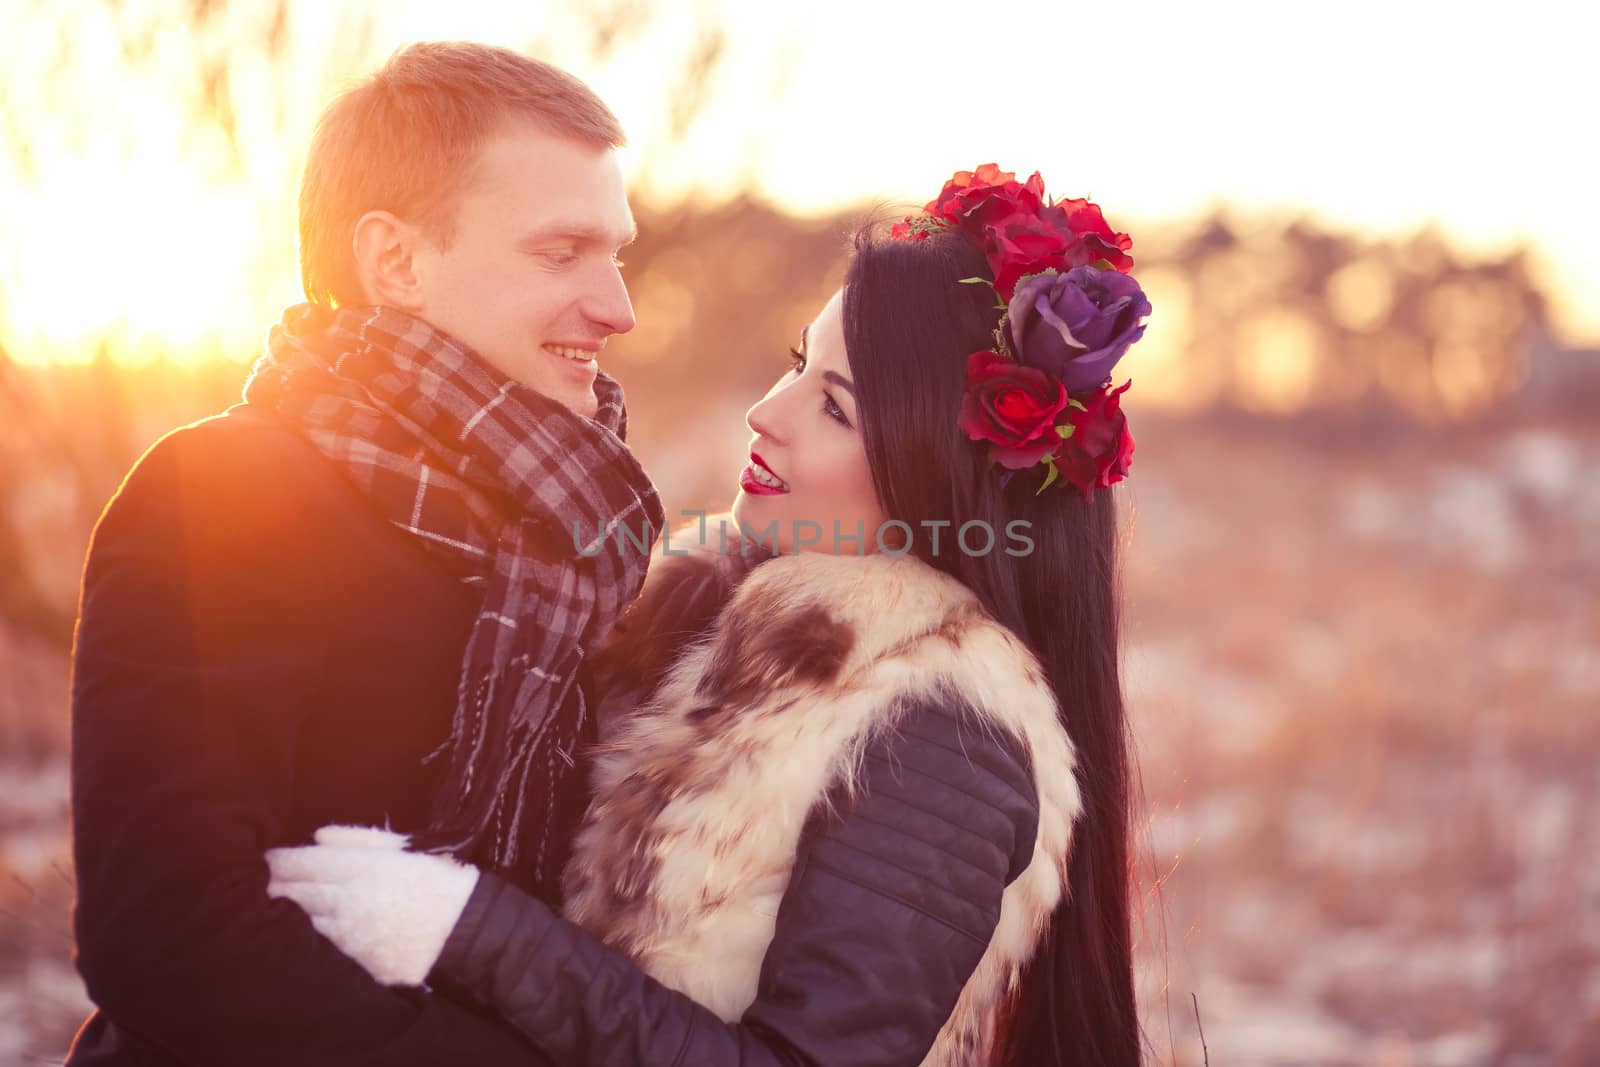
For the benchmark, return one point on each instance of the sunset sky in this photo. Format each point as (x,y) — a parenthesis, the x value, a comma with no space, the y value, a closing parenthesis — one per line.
(126,222)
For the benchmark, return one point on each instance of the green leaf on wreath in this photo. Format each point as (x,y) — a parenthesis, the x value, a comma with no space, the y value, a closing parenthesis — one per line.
(1048,477)
(1071,403)
(1066,431)
(974,281)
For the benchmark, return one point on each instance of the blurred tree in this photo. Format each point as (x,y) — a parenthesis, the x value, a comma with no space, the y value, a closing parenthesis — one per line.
(207,61)
(21,601)
(1255,317)
(1291,318)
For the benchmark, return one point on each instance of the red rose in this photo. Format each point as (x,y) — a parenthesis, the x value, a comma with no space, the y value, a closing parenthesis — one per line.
(1023,244)
(1067,234)
(967,183)
(1096,240)
(975,199)
(1012,407)
(1099,450)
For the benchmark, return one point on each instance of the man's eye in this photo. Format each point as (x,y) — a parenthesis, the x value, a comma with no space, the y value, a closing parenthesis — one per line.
(559,259)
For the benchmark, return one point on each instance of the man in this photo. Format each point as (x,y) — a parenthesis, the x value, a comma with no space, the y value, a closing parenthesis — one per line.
(356,597)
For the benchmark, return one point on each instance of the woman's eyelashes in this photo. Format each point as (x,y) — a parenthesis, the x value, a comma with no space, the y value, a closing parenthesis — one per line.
(797,361)
(834,411)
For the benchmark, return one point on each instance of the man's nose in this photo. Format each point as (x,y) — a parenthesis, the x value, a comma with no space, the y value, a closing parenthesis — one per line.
(608,305)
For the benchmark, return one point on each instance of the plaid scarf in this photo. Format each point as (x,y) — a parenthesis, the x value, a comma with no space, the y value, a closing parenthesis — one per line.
(500,483)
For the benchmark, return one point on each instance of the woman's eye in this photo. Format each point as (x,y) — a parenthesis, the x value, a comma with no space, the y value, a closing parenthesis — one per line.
(830,408)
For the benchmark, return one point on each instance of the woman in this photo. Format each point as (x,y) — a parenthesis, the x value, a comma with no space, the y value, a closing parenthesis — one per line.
(875,808)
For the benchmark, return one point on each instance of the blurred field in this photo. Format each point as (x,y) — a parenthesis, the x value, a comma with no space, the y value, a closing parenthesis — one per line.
(1363,652)
(1365,675)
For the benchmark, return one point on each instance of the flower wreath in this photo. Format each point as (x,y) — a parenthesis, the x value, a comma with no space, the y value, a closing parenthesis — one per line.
(1042,395)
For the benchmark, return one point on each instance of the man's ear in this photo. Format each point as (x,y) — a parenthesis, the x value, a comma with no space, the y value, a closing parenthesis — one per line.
(384,245)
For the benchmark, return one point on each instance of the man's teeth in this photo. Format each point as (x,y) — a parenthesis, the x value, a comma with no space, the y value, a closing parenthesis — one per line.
(579,354)
(761,475)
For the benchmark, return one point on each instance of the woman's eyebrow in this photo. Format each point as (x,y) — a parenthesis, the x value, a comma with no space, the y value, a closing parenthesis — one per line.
(828,375)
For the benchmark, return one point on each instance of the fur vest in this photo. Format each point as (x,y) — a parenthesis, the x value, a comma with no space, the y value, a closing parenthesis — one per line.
(702,790)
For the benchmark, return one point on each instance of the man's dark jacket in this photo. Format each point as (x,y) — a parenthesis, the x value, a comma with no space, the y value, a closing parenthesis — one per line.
(257,654)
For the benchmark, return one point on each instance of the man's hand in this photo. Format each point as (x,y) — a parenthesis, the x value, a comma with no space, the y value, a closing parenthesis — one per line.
(388,909)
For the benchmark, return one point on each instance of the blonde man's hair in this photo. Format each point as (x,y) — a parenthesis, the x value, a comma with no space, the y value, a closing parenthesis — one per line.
(404,140)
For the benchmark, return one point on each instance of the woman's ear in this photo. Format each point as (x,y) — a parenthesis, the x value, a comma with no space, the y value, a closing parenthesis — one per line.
(384,246)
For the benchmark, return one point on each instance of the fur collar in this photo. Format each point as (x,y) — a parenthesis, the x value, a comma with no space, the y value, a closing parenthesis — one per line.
(702,792)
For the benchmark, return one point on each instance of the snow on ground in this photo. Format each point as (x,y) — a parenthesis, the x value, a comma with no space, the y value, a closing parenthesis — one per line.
(1364,679)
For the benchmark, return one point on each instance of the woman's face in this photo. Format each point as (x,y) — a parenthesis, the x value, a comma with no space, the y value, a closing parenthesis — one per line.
(807,468)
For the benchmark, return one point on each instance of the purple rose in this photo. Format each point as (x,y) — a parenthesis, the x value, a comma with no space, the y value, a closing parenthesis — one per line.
(1075,325)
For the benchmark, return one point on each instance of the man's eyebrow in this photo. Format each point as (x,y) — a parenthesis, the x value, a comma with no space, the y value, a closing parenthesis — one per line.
(577,232)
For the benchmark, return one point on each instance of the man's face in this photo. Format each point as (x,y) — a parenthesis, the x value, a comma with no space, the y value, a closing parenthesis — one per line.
(529,278)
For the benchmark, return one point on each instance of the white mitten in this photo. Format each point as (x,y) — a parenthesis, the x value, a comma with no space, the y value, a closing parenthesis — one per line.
(388,909)
(361,837)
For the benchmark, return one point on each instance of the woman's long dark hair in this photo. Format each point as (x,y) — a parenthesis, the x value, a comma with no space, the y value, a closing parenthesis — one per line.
(909,327)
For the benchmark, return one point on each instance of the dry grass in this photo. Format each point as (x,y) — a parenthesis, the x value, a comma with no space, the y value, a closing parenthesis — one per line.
(1364,677)
(41,998)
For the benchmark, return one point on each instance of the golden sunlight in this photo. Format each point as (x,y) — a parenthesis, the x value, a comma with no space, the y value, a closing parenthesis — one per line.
(1280,358)
(1360,295)
(1157,364)
(150,263)
(149,157)
(131,227)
